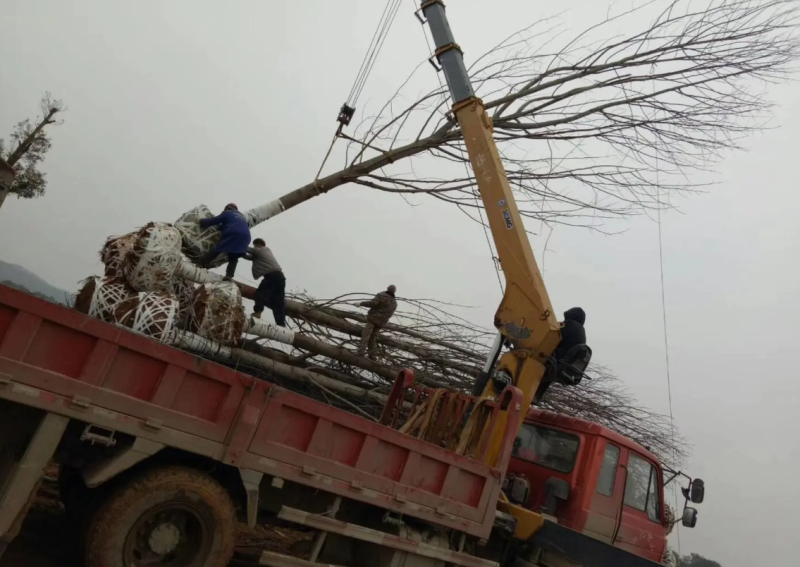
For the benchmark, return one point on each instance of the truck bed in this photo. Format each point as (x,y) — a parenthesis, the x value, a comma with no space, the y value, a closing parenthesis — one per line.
(58,360)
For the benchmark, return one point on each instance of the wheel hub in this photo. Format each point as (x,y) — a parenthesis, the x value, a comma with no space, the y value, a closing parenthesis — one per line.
(171,535)
(164,538)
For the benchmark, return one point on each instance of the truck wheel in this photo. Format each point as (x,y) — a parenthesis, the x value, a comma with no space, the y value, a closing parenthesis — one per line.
(170,516)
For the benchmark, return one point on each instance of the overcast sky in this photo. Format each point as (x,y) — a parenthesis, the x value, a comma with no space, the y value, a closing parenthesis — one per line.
(173,104)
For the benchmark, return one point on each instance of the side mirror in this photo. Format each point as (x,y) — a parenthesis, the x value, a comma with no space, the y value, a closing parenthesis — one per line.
(689,519)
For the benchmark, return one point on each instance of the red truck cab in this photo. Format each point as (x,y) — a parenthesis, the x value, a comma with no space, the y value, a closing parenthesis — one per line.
(593,480)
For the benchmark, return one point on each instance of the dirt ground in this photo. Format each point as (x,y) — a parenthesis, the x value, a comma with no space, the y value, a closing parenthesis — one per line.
(47,541)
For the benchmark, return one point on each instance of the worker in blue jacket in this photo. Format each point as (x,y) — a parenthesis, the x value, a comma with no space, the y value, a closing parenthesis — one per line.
(233,240)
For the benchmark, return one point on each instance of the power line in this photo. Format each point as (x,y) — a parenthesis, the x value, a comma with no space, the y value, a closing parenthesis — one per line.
(666,334)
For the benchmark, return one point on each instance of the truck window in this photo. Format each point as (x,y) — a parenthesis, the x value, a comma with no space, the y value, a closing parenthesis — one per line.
(546,447)
(641,488)
(608,471)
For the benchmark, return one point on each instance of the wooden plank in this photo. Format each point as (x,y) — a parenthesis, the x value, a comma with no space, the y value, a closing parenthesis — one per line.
(380,538)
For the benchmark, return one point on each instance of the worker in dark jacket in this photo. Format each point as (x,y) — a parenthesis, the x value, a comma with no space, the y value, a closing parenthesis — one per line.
(381,309)
(271,291)
(572,334)
(234,238)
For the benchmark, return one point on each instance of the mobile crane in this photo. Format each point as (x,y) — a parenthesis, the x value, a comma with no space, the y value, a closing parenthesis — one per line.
(525,317)
(160,451)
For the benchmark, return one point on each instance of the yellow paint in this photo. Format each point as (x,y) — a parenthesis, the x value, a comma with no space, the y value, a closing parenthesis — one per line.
(525,316)
(528,523)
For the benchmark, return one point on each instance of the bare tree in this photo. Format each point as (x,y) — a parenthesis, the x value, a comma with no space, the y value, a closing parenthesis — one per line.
(29,146)
(602,127)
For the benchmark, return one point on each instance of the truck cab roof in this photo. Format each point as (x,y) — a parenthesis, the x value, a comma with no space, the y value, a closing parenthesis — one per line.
(562,421)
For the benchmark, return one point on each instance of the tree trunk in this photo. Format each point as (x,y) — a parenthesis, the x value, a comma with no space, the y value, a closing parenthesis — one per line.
(305,376)
(304,342)
(280,356)
(335,319)
(320,186)
(23,147)
(25,144)
(327,319)
(340,313)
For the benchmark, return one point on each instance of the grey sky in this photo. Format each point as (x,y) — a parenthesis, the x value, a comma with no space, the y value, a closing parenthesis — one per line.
(173,104)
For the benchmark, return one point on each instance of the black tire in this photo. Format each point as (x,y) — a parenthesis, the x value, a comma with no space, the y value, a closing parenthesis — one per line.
(165,517)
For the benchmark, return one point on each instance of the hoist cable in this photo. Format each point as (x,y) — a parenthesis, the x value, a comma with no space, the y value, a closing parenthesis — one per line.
(366,56)
(375,46)
(384,34)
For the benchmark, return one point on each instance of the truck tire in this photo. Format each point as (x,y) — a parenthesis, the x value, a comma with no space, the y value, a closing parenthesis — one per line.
(169,516)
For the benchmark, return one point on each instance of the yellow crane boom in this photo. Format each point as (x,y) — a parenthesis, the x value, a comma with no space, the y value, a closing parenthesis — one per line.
(525,316)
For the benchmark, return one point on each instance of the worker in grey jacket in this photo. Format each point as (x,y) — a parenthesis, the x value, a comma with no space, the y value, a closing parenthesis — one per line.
(271,291)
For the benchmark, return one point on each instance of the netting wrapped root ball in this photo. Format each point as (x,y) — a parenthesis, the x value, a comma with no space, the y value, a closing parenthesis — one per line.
(112,300)
(196,241)
(109,299)
(217,313)
(156,315)
(151,263)
(113,254)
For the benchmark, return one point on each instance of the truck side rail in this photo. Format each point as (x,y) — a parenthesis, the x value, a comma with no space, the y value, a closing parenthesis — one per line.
(58,360)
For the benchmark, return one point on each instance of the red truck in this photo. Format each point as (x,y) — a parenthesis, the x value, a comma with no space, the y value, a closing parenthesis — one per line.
(161,452)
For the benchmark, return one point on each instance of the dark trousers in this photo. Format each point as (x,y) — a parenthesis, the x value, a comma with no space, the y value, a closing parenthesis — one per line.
(271,293)
(233,260)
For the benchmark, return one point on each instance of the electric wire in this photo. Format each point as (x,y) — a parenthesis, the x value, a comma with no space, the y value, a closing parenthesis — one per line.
(665,328)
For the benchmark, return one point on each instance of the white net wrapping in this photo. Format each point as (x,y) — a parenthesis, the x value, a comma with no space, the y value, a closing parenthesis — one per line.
(113,301)
(188,271)
(150,265)
(269,331)
(196,241)
(217,313)
(156,316)
(114,252)
(201,345)
(264,212)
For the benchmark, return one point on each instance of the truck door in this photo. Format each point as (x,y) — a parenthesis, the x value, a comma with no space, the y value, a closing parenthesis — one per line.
(605,508)
(641,530)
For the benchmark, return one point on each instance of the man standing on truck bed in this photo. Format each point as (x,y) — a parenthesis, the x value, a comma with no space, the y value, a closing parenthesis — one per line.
(271,291)
(234,238)
(382,307)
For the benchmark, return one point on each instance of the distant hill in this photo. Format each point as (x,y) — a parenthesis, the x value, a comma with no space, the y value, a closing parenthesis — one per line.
(20,278)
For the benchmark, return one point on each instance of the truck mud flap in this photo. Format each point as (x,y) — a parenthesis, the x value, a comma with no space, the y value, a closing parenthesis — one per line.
(583,549)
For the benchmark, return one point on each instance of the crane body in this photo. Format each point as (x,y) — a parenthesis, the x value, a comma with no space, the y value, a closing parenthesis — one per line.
(132,457)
